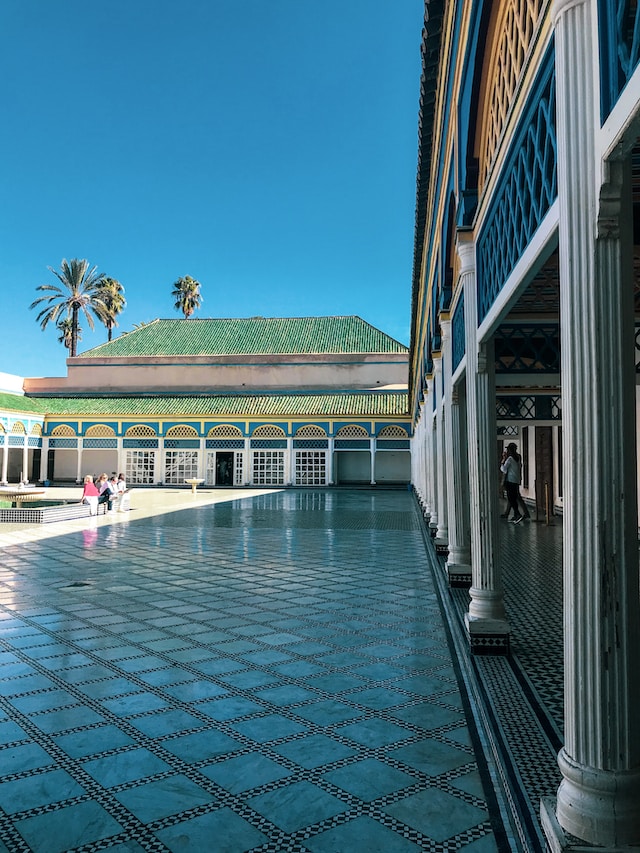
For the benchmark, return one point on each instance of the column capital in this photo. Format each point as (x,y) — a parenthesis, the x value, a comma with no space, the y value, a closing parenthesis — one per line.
(561,7)
(466,248)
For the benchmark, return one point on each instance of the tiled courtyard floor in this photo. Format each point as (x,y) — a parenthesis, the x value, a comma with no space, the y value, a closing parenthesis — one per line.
(265,673)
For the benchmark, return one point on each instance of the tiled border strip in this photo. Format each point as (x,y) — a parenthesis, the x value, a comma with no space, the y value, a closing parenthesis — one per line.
(509,802)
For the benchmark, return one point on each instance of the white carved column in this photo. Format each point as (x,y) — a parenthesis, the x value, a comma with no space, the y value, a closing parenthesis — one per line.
(25,458)
(486,620)
(330,462)
(79,459)
(442,532)
(598,800)
(288,463)
(44,457)
(459,558)
(430,455)
(372,454)
(5,458)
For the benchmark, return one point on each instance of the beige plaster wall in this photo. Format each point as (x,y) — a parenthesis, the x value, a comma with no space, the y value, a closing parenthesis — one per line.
(205,373)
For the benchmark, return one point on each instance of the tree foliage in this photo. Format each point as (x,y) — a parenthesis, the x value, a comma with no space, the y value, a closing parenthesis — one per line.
(65,327)
(79,294)
(112,295)
(186,295)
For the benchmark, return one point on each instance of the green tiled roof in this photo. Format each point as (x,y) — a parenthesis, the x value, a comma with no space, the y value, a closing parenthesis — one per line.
(251,336)
(347,404)
(18,403)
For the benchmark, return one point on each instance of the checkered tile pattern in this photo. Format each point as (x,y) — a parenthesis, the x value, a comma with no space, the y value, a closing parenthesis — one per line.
(266,674)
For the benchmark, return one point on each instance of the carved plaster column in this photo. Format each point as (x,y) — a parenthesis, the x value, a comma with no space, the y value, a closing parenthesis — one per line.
(431,456)
(44,458)
(598,800)
(486,620)
(79,459)
(442,533)
(459,559)
(5,458)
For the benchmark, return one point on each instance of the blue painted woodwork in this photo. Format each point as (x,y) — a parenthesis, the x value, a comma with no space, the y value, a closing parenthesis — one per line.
(619,32)
(528,348)
(458,342)
(526,190)
(140,443)
(93,443)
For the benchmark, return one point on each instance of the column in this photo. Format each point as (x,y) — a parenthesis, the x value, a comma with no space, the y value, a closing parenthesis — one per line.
(79,476)
(288,463)
(455,449)
(372,454)
(442,532)
(25,458)
(330,453)
(44,457)
(5,458)
(599,796)
(430,449)
(486,620)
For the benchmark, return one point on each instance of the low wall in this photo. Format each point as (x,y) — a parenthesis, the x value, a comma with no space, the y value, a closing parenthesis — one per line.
(44,514)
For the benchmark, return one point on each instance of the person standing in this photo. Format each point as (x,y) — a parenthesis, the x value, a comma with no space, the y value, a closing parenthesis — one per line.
(512,471)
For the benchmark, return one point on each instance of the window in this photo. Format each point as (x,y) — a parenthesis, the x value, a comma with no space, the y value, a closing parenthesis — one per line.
(180,465)
(268,468)
(140,467)
(310,468)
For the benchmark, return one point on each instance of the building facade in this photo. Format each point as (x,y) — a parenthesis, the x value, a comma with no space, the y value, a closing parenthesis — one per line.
(525,307)
(262,402)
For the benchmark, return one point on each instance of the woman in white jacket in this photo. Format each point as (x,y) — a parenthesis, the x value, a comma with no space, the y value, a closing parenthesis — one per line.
(510,467)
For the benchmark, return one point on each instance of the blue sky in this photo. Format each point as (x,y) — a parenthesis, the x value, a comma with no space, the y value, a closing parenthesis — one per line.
(267,148)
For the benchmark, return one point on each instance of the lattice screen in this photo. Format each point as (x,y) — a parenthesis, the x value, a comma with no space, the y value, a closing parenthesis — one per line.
(393,431)
(140,431)
(514,32)
(352,431)
(269,431)
(182,431)
(36,429)
(225,431)
(310,431)
(100,431)
(63,430)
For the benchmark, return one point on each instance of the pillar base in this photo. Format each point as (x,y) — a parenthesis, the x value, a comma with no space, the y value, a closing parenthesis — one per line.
(559,841)
(442,545)
(599,806)
(459,575)
(487,636)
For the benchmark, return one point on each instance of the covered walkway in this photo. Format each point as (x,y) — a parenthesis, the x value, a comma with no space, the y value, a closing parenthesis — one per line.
(270,673)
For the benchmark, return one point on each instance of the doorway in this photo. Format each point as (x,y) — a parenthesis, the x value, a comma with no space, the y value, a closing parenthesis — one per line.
(224,468)
(544,471)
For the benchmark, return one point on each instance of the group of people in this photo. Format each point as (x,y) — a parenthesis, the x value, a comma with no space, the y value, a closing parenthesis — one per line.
(105,490)
(511,467)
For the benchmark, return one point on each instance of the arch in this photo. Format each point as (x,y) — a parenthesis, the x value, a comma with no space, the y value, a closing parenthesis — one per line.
(225,431)
(100,431)
(352,431)
(269,431)
(2,429)
(140,431)
(18,428)
(181,431)
(63,430)
(393,431)
(36,429)
(311,431)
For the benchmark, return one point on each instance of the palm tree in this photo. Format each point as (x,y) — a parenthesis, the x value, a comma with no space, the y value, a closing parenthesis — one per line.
(112,294)
(80,292)
(186,293)
(65,328)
